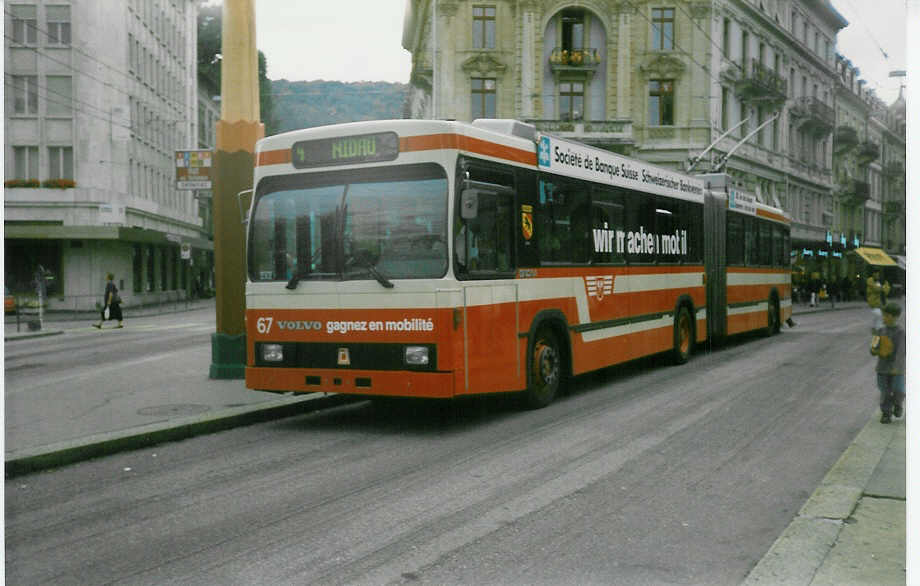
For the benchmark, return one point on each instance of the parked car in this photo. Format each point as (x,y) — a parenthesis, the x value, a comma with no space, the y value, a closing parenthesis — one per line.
(9,302)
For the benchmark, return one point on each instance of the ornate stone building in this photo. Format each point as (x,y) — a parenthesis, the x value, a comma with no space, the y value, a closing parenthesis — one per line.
(869,163)
(656,80)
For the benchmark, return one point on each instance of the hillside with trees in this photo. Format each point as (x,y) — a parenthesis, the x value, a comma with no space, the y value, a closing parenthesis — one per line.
(304,104)
(290,105)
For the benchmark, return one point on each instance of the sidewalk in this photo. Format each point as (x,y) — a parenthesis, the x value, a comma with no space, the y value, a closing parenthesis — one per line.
(55,322)
(851,531)
(178,403)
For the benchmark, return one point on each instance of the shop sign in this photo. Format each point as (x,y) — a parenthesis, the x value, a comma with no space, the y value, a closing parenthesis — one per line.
(843,239)
(807,252)
(822,253)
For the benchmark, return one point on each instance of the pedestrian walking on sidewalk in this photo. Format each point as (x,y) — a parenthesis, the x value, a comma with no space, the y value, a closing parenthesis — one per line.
(876,292)
(889,345)
(111,308)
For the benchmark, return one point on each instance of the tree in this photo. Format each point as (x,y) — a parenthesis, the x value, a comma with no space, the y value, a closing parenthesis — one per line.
(209,61)
(266,107)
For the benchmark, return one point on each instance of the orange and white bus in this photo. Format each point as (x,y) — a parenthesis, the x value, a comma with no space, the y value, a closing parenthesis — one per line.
(438,259)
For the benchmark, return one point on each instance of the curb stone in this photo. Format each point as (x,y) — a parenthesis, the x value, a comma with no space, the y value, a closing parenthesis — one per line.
(64,453)
(802,549)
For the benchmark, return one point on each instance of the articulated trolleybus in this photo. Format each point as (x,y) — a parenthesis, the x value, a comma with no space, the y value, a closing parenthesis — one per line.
(437,259)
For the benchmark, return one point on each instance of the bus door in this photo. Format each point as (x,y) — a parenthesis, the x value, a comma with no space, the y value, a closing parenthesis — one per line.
(714,235)
(484,264)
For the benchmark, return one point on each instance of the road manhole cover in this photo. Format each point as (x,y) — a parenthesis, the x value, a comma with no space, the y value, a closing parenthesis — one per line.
(167,410)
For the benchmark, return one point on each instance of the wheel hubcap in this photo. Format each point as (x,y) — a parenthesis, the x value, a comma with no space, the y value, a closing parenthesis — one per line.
(684,334)
(547,365)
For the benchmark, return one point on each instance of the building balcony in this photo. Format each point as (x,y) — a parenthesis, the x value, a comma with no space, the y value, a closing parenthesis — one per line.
(867,152)
(845,138)
(574,60)
(853,192)
(814,115)
(893,208)
(895,170)
(761,84)
(589,131)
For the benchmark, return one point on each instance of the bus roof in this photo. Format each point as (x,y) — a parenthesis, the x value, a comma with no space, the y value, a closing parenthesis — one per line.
(508,141)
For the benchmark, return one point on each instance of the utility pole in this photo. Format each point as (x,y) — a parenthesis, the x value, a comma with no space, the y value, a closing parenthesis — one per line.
(237,132)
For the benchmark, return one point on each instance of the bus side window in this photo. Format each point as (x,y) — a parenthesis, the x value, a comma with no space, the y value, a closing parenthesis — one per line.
(765,243)
(607,232)
(484,244)
(787,258)
(750,241)
(563,233)
(778,259)
(734,240)
(640,228)
(690,222)
(667,237)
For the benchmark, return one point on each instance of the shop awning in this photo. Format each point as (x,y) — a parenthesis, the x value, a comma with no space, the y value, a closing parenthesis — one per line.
(875,256)
(900,259)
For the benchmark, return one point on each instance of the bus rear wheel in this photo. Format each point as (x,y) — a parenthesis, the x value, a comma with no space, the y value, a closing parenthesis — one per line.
(683,336)
(546,370)
(773,323)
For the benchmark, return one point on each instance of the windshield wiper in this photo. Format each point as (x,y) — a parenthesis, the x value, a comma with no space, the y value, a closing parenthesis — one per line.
(361,260)
(292,284)
(299,274)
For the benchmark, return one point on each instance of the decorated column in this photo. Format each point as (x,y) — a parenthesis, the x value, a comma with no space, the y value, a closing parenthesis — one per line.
(237,132)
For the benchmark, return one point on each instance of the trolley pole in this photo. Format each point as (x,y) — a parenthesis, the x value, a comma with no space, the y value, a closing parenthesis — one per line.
(238,130)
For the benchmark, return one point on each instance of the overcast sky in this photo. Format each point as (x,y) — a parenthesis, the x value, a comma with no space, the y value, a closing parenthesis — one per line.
(358,40)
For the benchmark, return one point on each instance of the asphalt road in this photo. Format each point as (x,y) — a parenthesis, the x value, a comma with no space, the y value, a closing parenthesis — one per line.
(645,474)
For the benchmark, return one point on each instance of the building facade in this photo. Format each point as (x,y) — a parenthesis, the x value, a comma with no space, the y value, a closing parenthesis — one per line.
(202,265)
(100,95)
(661,81)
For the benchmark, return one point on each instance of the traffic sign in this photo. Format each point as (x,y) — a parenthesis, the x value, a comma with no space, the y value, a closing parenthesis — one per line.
(193,170)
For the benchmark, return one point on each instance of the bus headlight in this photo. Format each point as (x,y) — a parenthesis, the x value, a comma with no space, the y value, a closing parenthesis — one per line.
(272,353)
(417,355)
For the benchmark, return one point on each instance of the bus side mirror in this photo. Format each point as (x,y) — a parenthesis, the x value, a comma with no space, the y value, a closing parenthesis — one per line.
(469,204)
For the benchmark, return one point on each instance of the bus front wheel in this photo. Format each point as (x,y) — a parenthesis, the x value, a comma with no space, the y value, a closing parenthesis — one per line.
(546,370)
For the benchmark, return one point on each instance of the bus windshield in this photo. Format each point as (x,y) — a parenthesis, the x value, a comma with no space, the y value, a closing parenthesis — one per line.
(381,223)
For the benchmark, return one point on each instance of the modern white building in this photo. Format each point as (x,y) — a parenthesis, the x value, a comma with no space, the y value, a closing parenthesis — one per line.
(99,96)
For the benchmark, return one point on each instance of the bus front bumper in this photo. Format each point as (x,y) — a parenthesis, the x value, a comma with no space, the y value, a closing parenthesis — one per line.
(436,385)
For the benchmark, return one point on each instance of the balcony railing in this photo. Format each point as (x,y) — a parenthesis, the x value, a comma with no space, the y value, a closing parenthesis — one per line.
(892,208)
(574,59)
(845,138)
(853,192)
(868,151)
(894,170)
(588,130)
(814,115)
(762,84)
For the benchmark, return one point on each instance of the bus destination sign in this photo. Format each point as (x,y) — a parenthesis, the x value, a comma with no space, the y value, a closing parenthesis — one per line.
(345,150)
